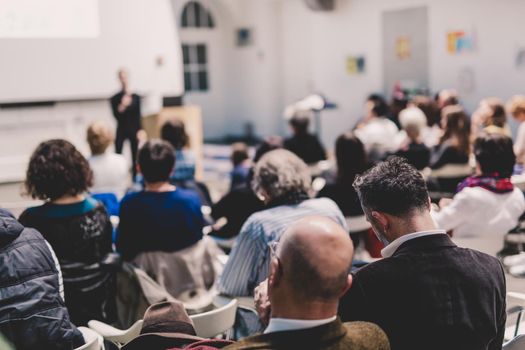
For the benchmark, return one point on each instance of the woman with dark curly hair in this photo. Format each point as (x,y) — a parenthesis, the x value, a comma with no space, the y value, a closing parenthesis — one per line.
(77,227)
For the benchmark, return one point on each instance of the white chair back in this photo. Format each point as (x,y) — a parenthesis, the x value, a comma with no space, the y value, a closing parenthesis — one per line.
(115,335)
(93,340)
(211,323)
(518,343)
(357,223)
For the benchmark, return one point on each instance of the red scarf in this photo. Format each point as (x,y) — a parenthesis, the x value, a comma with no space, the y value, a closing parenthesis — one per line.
(491,182)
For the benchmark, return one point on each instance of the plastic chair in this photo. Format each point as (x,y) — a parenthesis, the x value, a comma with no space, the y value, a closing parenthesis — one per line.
(212,323)
(116,336)
(517,343)
(93,340)
(207,324)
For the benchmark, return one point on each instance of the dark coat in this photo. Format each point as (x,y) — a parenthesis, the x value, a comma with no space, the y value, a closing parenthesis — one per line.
(432,294)
(32,313)
(332,336)
(128,122)
(81,243)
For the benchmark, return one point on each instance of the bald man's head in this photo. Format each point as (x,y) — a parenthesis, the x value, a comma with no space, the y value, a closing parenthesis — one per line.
(316,254)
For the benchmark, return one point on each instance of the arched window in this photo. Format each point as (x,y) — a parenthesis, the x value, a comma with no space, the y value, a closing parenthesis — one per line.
(194,15)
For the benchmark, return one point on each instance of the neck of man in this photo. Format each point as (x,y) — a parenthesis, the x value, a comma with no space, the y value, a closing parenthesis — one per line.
(417,223)
(309,310)
(69,199)
(162,186)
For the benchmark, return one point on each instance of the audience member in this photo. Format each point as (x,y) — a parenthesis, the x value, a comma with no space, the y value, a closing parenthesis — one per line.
(377,132)
(174,132)
(487,204)
(428,106)
(490,117)
(304,144)
(110,170)
(516,107)
(351,160)
(162,217)
(308,274)
(413,121)
(398,103)
(454,145)
(33,314)
(77,227)
(426,293)
(166,325)
(241,165)
(126,110)
(241,202)
(447,97)
(283,181)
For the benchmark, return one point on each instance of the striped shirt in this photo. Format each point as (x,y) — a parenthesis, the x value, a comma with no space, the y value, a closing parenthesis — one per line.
(248,262)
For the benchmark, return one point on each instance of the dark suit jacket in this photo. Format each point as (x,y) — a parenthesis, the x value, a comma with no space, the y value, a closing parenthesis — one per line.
(332,336)
(128,122)
(432,294)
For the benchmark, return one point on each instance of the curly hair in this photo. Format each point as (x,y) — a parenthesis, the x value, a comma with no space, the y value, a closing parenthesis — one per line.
(174,132)
(281,174)
(57,169)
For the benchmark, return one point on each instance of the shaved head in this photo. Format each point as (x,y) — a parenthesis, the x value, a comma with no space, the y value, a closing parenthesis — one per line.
(316,254)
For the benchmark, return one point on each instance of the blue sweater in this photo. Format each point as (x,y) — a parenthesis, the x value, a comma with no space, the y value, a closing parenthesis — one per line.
(159,221)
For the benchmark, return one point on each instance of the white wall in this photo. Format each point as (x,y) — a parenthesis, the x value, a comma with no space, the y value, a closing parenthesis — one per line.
(315,46)
(133,34)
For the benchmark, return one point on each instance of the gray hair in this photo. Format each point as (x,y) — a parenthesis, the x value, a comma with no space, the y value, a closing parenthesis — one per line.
(281,173)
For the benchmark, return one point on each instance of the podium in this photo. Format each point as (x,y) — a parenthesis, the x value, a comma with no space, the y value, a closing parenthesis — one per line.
(191,116)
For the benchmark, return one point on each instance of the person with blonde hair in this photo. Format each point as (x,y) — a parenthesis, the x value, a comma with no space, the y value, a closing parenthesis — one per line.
(490,117)
(516,108)
(414,122)
(110,170)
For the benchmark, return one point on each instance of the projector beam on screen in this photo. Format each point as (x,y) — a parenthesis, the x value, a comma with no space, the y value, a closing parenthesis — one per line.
(49,19)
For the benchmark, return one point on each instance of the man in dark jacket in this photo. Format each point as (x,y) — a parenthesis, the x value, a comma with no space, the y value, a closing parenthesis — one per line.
(126,110)
(32,312)
(426,293)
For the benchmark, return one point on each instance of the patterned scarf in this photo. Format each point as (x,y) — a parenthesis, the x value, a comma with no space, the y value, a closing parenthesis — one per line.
(491,182)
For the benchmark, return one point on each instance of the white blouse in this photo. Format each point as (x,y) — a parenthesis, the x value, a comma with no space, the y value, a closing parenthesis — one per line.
(477,212)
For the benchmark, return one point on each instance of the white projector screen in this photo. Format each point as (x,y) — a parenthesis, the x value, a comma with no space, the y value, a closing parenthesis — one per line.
(49,19)
(76,47)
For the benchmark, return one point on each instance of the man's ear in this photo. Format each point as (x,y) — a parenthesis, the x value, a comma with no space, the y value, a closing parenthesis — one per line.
(275,275)
(347,286)
(381,219)
(429,204)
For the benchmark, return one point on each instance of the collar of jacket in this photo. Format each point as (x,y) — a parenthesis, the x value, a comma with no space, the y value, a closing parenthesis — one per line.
(327,333)
(425,243)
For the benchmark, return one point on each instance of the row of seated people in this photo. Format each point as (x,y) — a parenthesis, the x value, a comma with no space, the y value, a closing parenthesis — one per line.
(426,293)
(79,231)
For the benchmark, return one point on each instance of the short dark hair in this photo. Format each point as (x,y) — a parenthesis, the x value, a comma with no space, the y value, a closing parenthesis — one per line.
(174,132)
(393,187)
(239,153)
(495,154)
(156,160)
(57,169)
(380,107)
